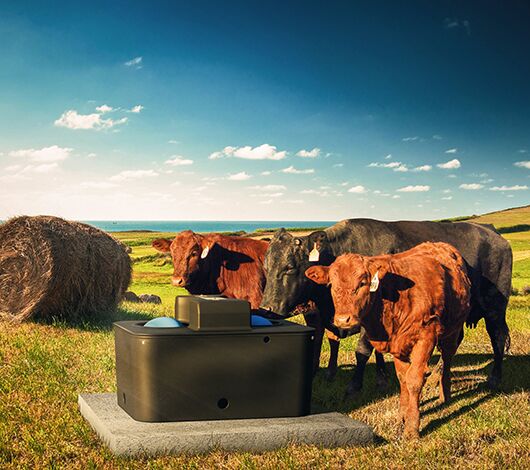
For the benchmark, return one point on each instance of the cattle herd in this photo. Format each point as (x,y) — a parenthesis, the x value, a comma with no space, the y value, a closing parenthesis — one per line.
(406,287)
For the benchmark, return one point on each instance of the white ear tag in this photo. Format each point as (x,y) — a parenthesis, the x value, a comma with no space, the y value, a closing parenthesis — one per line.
(205,252)
(374,285)
(314,254)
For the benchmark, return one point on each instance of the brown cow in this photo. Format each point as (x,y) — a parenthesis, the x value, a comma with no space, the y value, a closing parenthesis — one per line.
(408,303)
(232,266)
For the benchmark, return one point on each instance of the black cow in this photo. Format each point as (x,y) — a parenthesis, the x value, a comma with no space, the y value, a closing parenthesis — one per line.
(488,257)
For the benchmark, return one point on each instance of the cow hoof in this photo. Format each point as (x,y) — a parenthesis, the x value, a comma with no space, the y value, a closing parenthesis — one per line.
(411,435)
(353,389)
(382,383)
(330,374)
(493,383)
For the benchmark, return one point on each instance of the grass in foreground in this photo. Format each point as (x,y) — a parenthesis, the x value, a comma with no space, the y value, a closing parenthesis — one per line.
(44,366)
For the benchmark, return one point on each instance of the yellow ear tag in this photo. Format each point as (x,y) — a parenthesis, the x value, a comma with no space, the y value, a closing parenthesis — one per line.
(205,252)
(374,285)
(314,255)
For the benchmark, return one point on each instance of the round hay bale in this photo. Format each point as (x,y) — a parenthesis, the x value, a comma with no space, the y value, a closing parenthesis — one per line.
(51,267)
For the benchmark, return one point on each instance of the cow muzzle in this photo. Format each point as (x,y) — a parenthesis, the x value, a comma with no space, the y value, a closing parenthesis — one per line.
(348,324)
(178,281)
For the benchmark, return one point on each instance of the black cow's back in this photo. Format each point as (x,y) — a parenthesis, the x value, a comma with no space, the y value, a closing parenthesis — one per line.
(487,254)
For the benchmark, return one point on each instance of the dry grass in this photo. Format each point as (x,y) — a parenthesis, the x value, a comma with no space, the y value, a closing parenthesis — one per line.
(43,367)
(49,266)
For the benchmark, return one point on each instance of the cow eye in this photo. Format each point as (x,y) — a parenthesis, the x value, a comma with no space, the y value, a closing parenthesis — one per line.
(363,283)
(290,270)
(194,253)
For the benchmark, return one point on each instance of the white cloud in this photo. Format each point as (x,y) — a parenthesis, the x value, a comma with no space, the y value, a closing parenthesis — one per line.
(53,153)
(401,168)
(136,62)
(359,189)
(292,170)
(97,185)
(446,191)
(396,196)
(309,153)
(266,173)
(385,165)
(437,137)
(173,141)
(178,160)
(268,201)
(269,187)
(71,119)
(133,175)
(104,108)
(516,187)
(12,168)
(42,168)
(447,198)
(262,152)
(338,165)
(92,155)
(471,186)
(453,150)
(414,189)
(523,164)
(450,165)
(241,176)
(423,168)
(388,157)
(451,23)
(410,139)
(136,109)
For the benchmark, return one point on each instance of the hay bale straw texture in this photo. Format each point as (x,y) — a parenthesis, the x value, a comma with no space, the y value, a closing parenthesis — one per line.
(51,267)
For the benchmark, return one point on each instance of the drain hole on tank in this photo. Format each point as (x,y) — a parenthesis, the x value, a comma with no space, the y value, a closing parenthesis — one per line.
(266,339)
(223,403)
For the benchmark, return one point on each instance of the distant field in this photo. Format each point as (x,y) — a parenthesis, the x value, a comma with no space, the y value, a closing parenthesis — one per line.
(44,366)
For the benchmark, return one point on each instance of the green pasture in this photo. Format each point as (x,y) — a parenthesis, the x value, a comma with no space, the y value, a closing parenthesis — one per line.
(43,366)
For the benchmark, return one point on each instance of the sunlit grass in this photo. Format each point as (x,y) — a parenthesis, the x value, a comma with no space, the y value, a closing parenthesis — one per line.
(43,367)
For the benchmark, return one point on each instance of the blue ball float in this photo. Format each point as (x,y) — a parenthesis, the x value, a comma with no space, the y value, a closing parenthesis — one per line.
(163,322)
(256,320)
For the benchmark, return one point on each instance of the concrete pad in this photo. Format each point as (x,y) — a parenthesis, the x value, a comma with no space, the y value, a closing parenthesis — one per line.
(125,436)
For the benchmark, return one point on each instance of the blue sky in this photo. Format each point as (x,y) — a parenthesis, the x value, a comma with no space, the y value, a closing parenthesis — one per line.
(263,110)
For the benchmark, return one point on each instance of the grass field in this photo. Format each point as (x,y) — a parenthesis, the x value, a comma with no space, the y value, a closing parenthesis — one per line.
(44,366)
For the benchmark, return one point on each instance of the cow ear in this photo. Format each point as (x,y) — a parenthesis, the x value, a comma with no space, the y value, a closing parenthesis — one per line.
(282,234)
(377,273)
(318,274)
(374,283)
(162,244)
(206,248)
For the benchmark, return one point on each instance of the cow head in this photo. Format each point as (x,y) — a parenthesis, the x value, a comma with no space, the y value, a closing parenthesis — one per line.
(286,260)
(190,253)
(355,284)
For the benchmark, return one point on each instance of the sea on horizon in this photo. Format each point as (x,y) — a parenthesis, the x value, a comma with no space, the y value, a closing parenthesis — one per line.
(202,225)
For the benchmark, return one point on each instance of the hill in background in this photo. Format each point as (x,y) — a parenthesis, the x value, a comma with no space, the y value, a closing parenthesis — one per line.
(515,219)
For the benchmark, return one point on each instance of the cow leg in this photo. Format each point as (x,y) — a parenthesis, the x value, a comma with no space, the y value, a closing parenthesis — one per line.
(381,378)
(362,354)
(498,332)
(401,372)
(448,348)
(313,320)
(334,343)
(415,377)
